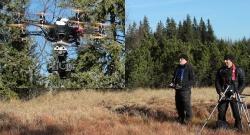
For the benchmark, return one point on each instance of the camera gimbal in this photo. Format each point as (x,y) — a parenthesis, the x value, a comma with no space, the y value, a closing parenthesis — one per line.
(61,65)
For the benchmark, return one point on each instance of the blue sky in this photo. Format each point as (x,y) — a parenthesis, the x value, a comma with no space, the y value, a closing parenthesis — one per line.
(230,18)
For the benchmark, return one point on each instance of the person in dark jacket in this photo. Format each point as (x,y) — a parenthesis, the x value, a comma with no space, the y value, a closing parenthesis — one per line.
(233,77)
(182,82)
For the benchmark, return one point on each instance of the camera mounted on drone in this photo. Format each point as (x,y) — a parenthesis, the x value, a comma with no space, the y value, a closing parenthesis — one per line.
(62,66)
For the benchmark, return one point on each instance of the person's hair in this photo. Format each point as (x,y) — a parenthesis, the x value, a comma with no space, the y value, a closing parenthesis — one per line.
(229,57)
(184,56)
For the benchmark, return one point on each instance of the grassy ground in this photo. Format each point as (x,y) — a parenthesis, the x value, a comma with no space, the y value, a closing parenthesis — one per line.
(138,112)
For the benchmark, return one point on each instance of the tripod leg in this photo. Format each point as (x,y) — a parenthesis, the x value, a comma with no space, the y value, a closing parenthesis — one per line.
(209,117)
(244,106)
(222,96)
(240,109)
(244,109)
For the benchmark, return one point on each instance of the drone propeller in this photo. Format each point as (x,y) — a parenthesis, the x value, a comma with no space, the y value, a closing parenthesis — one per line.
(100,24)
(61,43)
(98,36)
(95,25)
(19,14)
(42,14)
(77,22)
(77,16)
(78,10)
(18,25)
(22,31)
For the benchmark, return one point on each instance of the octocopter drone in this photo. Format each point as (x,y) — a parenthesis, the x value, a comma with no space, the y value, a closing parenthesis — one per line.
(63,33)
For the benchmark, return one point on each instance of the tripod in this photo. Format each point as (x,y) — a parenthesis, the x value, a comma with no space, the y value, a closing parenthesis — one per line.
(222,96)
(242,107)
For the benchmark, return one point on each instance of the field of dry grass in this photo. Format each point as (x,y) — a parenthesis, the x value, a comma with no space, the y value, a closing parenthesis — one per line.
(88,112)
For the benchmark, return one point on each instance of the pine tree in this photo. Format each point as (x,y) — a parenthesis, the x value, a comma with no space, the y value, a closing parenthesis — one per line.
(180,29)
(144,29)
(187,30)
(171,30)
(159,30)
(18,63)
(141,67)
(131,40)
(203,31)
(215,61)
(210,32)
(196,32)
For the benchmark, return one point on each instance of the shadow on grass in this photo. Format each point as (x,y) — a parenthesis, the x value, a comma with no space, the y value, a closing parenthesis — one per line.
(145,112)
(11,124)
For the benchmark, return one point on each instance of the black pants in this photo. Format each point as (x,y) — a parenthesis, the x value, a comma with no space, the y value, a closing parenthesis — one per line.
(222,109)
(183,104)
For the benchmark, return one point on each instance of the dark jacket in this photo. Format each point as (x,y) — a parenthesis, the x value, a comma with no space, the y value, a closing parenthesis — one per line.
(188,76)
(222,79)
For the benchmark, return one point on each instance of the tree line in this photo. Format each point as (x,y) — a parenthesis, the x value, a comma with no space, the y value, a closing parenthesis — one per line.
(98,63)
(151,56)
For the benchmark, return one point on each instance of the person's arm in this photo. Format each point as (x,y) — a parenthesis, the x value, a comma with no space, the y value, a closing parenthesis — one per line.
(172,83)
(241,80)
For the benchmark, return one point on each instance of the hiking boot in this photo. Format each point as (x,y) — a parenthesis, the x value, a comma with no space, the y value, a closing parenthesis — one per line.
(220,124)
(185,122)
(238,126)
(179,119)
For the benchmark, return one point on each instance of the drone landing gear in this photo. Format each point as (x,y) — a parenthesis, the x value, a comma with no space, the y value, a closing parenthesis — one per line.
(61,66)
